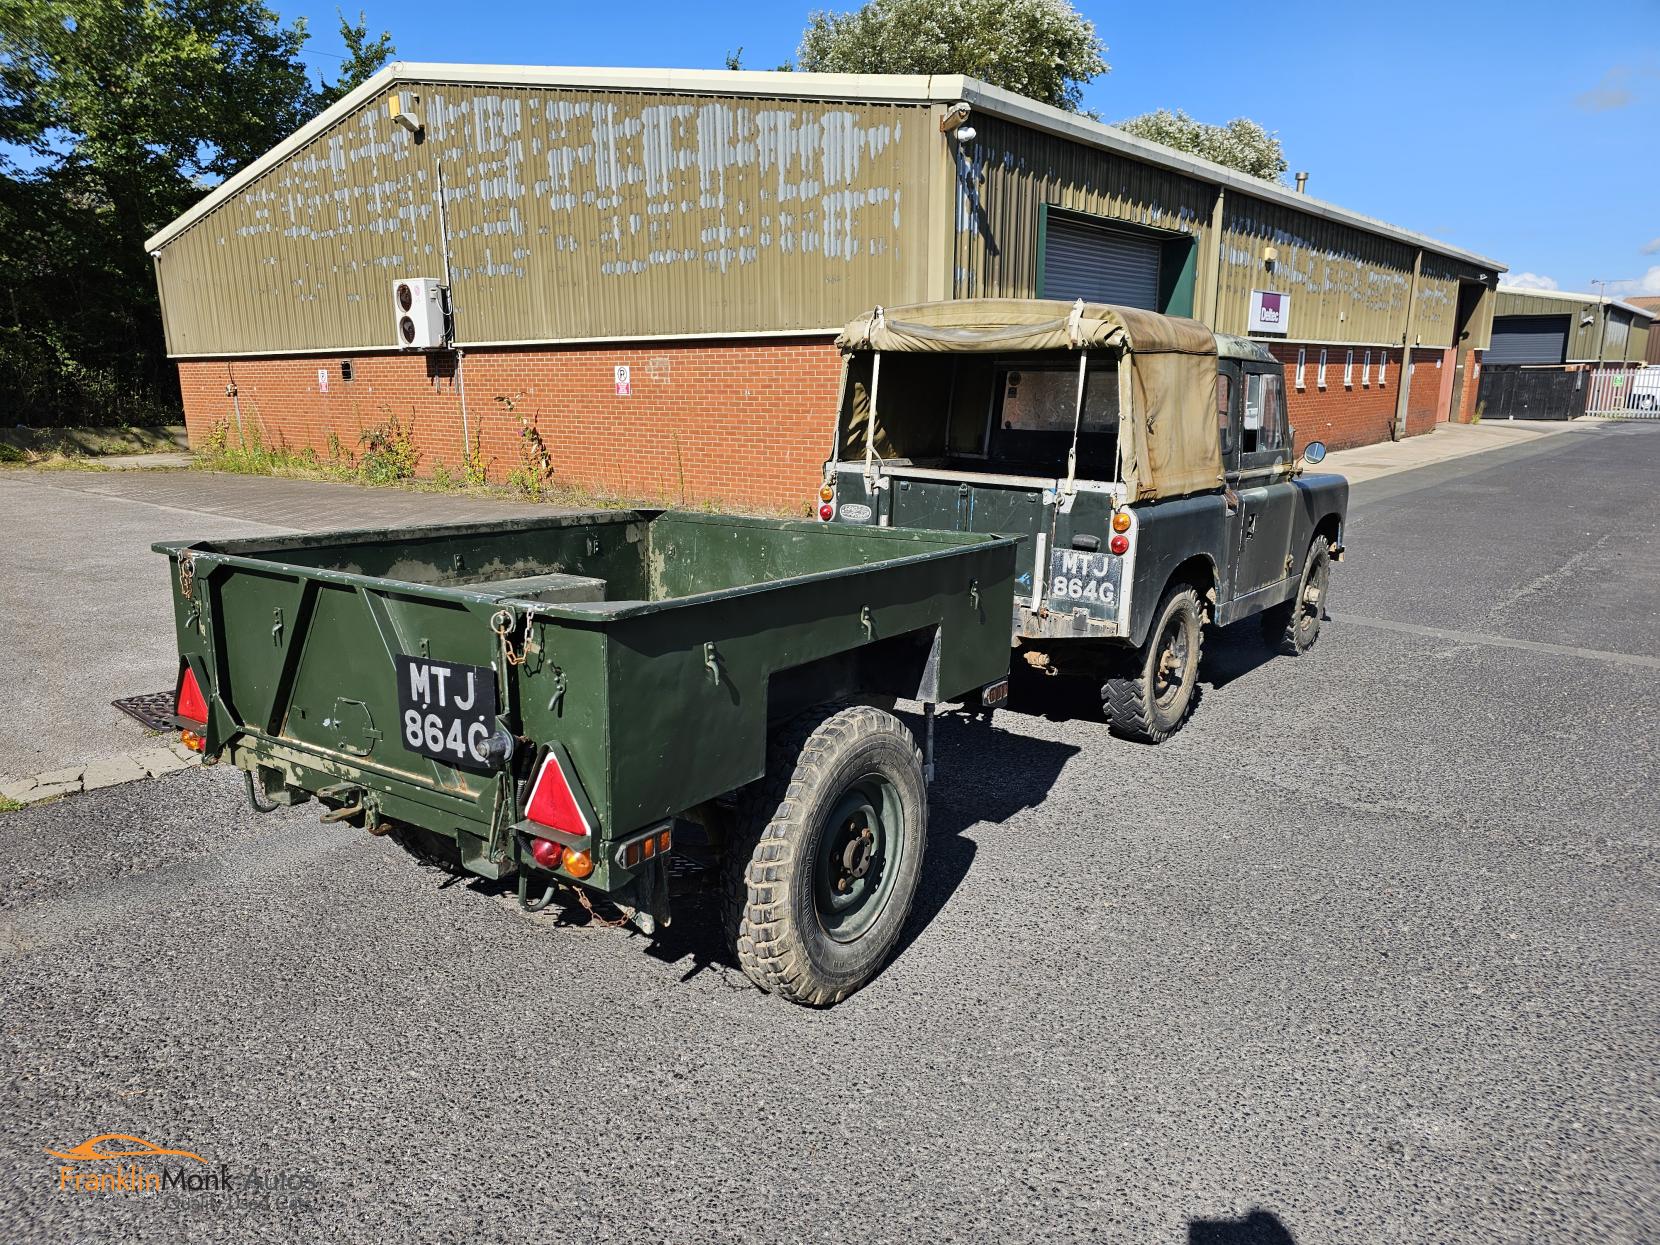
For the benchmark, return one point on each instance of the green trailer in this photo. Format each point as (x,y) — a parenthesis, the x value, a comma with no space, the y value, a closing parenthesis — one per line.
(553,700)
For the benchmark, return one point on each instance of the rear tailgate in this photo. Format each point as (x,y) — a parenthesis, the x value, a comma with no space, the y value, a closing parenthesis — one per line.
(307,662)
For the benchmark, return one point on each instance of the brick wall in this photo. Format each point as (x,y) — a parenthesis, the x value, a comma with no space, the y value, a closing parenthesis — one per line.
(1362,412)
(739,422)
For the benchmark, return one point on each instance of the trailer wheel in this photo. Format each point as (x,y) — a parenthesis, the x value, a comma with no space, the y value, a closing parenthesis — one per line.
(1292,628)
(1148,697)
(819,887)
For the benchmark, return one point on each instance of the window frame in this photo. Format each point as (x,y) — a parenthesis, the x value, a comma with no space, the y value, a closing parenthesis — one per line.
(1302,367)
(1320,370)
(1383,368)
(1349,369)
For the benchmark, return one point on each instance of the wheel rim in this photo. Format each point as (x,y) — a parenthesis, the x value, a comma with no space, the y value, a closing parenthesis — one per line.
(859,856)
(1170,661)
(1312,598)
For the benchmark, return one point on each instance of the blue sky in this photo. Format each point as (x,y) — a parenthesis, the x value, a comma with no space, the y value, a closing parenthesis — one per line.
(1511,129)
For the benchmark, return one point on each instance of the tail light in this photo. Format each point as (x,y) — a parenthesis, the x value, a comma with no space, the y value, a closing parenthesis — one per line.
(1121,521)
(578,863)
(1119,544)
(546,852)
(552,803)
(190,705)
(827,512)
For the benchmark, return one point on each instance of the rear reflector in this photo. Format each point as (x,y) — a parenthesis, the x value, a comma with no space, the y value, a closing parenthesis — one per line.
(637,851)
(552,804)
(192,705)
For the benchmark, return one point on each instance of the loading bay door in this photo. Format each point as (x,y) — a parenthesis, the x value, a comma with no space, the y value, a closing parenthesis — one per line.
(1082,260)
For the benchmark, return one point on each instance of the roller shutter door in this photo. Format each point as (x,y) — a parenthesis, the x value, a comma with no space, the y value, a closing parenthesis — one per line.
(1099,265)
(1529,339)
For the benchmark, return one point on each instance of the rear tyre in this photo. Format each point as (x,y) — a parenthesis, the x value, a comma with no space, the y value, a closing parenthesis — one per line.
(1151,694)
(1292,628)
(819,887)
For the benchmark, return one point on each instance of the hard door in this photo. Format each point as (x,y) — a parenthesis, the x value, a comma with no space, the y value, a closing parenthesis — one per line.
(1266,495)
(1229,391)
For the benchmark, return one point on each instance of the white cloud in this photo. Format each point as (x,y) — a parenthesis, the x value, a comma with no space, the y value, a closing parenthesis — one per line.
(1612,92)
(1653,248)
(1530,281)
(1648,283)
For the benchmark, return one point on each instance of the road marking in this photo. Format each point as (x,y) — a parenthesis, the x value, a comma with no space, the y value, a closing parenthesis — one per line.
(1500,641)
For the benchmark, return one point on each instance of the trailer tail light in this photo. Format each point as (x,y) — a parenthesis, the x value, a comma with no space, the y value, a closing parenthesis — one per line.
(193,741)
(190,705)
(644,848)
(553,805)
(1119,544)
(546,852)
(578,863)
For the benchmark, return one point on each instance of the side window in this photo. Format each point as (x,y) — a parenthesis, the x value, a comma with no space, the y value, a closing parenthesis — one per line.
(1250,440)
(1224,405)
(1275,433)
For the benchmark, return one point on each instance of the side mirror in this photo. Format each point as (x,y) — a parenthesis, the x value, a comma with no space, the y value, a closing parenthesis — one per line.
(1314,453)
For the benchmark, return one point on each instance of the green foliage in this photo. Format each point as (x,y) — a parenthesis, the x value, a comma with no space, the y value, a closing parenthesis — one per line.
(1043,49)
(1240,144)
(364,57)
(388,452)
(116,115)
(535,470)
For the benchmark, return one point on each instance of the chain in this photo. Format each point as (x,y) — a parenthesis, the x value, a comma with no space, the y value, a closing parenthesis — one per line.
(187,574)
(502,624)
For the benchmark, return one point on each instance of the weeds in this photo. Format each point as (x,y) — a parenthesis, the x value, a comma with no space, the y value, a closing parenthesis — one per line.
(388,452)
(534,473)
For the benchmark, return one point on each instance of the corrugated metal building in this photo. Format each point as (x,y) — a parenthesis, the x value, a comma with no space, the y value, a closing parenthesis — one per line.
(1548,347)
(649,265)
(1650,304)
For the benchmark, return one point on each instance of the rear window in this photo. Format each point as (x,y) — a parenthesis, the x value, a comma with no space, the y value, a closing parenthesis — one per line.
(1032,419)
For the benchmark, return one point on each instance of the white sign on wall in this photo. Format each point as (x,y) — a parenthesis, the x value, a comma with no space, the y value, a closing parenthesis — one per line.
(322,380)
(1270,311)
(624,385)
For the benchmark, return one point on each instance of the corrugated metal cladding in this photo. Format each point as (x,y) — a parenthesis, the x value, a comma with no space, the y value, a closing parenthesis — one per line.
(1529,339)
(1008,173)
(1624,337)
(1098,265)
(1345,285)
(571,214)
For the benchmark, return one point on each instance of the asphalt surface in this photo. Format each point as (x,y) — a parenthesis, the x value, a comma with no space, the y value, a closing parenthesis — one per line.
(1366,953)
(88,616)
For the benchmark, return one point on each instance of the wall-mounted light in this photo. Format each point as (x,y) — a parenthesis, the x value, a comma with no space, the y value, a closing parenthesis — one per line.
(1270,256)
(955,122)
(404,107)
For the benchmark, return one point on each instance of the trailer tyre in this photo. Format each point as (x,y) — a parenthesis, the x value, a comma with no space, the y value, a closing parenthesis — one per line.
(1149,696)
(1292,628)
(819,888)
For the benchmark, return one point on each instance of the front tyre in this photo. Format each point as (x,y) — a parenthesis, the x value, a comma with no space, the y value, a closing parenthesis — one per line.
(825,889)
(1293,628)
(1150,695)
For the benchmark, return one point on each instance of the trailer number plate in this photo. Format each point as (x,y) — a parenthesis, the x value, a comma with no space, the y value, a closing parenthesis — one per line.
(446,711)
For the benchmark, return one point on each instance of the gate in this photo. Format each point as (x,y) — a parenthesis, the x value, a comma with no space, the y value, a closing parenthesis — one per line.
(1624,393)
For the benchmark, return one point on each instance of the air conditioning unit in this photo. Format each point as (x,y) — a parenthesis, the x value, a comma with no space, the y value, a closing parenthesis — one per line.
(418,313)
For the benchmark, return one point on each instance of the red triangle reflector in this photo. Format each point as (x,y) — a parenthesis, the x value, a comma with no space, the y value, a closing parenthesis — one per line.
(551,802)
(192,704)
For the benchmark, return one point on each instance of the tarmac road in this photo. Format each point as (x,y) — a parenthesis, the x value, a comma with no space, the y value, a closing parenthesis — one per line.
(1366,953)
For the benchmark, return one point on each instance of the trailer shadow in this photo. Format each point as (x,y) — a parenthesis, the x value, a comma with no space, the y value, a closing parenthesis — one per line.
(984,775)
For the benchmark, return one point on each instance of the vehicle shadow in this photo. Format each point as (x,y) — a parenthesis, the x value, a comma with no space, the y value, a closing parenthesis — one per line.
(983,774)
(1258,1227)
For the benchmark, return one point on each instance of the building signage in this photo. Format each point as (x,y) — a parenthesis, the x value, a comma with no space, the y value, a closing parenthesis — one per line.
(620,373)
(1270,312)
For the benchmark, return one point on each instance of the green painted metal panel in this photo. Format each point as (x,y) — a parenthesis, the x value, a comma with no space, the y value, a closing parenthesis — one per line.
(659,692)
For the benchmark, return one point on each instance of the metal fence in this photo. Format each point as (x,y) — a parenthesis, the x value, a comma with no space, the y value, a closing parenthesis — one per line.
(1623,393)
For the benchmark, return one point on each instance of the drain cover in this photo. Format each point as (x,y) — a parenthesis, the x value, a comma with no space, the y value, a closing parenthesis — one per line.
(153,709)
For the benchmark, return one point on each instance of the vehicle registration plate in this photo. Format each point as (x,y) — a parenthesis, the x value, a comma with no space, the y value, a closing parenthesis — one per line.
(446,711)
(1077,577)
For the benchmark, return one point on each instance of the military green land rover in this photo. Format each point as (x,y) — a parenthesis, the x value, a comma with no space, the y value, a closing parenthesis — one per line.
(1147,460)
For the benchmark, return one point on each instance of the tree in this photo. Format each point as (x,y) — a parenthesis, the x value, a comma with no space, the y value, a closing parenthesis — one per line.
(115,115)
(1240,144)
(364,58)
(1043,49)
